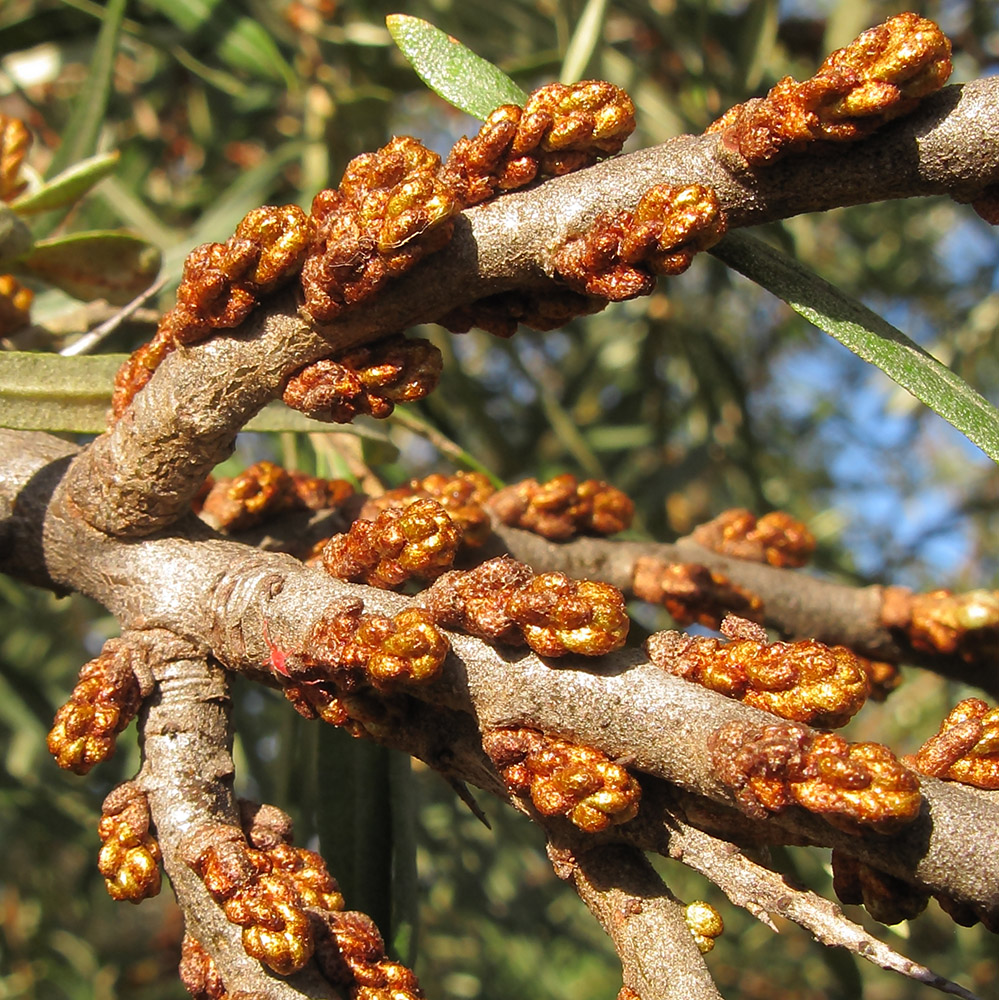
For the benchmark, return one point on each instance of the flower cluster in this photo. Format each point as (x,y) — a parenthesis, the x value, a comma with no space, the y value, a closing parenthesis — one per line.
(263,490)
(776,538)
(367,380)
(945,623)
(965,749)
(268,892)
(392,208)
(462,495)
(851,785)
(564,779)
(620,254)
(563,507)
(220,286)
(198,971)
(503,601)
(561,128)
(129,857)
(705,924)
(805,681)
(106,698)
(879,76)
(691,592)
(418,540)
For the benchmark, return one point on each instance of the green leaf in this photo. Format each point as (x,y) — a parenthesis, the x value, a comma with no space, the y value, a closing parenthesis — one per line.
(80,137)
(95,265)
(584,42)
(69,186)
(457,74)
(47,392)
(867,335)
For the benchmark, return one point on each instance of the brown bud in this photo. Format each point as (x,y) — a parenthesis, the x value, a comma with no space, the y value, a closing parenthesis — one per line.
(563,507)
(15,303)
(776,538)
(392,208)
(559,615)
(805,681)
(420,540)
(106,698)
(15,140)
(851,785)
(881,75)
(129,858)
(560,128)
(198,972)
(564,779)
(692,593)
(966,747)
(367,380)
(887,899)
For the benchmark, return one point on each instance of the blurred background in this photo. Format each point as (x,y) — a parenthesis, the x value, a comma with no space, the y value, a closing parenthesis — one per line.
(708,395)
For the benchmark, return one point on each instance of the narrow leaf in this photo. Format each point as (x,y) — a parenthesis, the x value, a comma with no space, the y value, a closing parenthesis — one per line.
(867,335)
(584,42)
(69,186)
(80,137)
(96,265)
(48,392)
(469,82)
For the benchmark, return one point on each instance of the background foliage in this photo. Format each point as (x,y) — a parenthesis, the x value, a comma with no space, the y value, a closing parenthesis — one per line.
(708,395)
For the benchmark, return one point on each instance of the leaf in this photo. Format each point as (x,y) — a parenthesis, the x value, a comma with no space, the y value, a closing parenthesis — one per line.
(95,265)
(457,74)
(80,137)
(868,335)
(584,42)
(47,392)
(15,237)
(69,186)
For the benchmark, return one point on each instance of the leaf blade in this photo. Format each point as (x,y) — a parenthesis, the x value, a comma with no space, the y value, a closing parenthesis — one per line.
(868,335)
(469,82)
(69,186)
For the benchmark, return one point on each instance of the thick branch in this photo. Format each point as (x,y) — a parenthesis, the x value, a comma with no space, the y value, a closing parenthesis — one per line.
(141,476)
(187,775)
(219,595)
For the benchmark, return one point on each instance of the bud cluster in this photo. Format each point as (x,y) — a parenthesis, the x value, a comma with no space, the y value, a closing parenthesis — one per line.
(965,749)
(620,254)
(851,785)
(691,592)
(419,540)
(268,892)
(15,139)
(263,490)
(887,899)
(564,779)
(106,698)
(367,380)
(563,507)
(462,495)
(503,601)
(804,681)
(879,76)
(776,538)
(561,128)
(129,858)
(392,208)
(220,286)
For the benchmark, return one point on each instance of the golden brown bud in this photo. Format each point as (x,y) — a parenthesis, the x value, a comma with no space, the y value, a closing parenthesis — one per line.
(805,681)
(14,142)
(966,747)
(15,304)
(887,899)
(564,779)
(129,858)
(705,924)
(776,538)
(851,785)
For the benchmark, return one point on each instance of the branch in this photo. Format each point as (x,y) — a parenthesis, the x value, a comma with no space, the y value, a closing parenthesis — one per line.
(233,601)
(187,775)
(141,476)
